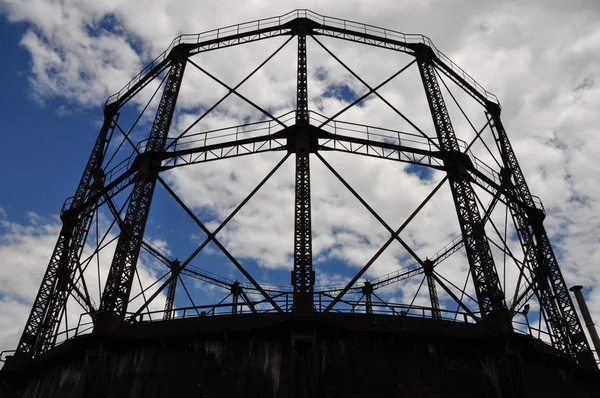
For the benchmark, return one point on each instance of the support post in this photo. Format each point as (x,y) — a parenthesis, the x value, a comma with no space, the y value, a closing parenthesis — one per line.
(115,297)
(433,296)
(175,269)
(483,270)
(236,290)
(303,278)
(367,290)
(52,296)
(546,275)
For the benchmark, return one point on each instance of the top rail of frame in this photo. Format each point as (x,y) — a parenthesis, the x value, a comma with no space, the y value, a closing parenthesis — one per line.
(276,26)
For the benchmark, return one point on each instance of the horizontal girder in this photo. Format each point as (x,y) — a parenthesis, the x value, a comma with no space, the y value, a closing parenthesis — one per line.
(384,144)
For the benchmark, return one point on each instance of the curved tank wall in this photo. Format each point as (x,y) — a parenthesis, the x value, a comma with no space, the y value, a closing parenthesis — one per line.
(359,356)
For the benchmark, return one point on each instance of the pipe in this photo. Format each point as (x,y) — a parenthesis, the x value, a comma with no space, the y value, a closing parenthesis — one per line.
(587,317)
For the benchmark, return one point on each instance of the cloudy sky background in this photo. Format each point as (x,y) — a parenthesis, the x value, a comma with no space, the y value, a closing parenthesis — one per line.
(542,60)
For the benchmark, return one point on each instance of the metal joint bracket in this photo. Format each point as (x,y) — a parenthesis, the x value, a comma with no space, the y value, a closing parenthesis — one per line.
(367,288)
(175,265)
(236,288)
(423,52)
(505,178)
(297,24)
(457,165)
(428,267)
(303,138)
(147,164)
(493,109)
(110,110)
(69,217)
(541,277)
(180,51)
(535,217)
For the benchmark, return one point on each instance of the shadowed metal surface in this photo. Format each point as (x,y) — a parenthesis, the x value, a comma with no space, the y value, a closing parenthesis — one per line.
(370,356)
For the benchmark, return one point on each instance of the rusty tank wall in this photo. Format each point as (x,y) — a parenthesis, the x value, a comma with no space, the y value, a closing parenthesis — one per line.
(361,357)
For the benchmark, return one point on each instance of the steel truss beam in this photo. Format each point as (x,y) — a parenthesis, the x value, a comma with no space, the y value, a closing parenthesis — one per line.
(433,296)
(175,269)
(546,276)
(485,278)
(328,140)
(54,290)
(115,297)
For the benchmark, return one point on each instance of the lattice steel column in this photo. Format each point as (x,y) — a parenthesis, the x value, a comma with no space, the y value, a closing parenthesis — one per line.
(367,291)
(433,296)
(554,296)
(485,278)
(54,290)
(175,269)
(236,290)
(302,275)
(115,297)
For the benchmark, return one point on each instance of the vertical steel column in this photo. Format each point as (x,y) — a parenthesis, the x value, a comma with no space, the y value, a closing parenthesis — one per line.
(433,296)
(115,297)
(54,289)
(302,275)
(485,278)
(171,290)
(367,291)
(554,296)
(236,290)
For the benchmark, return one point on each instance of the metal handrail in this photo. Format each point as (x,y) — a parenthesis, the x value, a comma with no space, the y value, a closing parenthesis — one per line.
(537,202)
(285,301)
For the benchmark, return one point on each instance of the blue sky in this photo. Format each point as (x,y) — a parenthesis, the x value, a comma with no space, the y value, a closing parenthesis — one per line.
(44,151)
(64,60)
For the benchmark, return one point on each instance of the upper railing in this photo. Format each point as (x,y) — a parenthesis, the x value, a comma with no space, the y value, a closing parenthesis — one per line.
(278,24)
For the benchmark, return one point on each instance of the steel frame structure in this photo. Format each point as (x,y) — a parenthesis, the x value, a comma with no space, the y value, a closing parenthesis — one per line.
(305,134)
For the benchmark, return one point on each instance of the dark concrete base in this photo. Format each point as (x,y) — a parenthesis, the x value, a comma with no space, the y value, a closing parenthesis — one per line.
(278,356)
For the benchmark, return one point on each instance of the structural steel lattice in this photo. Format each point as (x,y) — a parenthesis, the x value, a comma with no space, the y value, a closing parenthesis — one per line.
(304,134)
